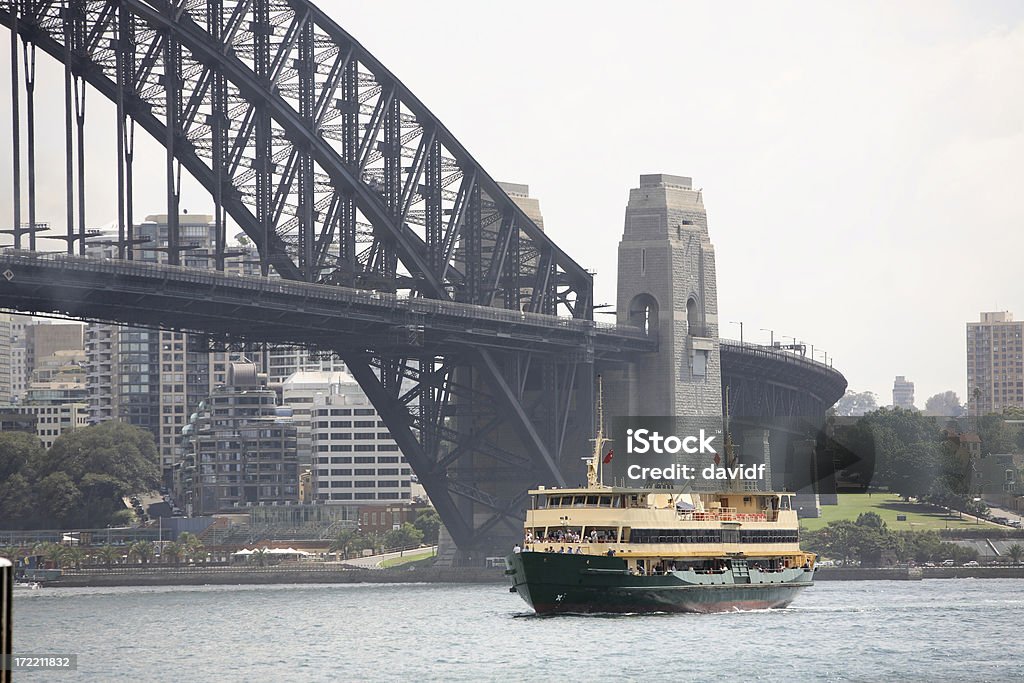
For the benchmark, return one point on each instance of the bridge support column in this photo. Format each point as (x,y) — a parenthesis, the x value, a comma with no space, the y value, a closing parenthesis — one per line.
(666,286)
(756,450)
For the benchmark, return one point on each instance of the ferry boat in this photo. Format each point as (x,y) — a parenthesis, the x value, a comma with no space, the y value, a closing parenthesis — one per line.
(619,549)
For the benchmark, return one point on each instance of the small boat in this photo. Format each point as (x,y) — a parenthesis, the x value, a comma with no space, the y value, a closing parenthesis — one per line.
(30,585)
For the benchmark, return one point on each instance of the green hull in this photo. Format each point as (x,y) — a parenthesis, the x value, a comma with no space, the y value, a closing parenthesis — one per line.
(559,583)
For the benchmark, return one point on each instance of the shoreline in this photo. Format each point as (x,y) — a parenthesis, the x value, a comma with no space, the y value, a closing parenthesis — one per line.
(227,577)
(234,576)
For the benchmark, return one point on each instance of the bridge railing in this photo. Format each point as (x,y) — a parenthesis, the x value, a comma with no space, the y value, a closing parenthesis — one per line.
(303,290)
(776,353)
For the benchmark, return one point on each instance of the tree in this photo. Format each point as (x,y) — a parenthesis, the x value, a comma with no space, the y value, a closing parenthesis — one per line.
(192,546)
(996,436)
(373,541)
(48,551)
(1015,552)
(404,537)
(18,508)
(946,404)
(60,500)
(19,453)
(173,552)
(108,554)
(85,474)
(142,550)
(260,557)
(344,543)
(72,556)
(915,470)
(121,451)
(429,523)
(854,403)
(870,519)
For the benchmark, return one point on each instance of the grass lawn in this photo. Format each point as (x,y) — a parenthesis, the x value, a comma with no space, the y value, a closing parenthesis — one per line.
(411,556)
(919,517)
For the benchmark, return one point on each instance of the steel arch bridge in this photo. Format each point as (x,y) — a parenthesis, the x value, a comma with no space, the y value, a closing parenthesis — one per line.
(341,178)
(339,175)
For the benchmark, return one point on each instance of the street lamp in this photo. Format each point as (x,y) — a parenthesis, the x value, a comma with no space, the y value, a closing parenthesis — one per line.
(772,333)
(733,322)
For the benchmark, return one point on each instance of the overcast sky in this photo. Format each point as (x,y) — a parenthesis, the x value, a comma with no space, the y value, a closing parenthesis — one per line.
(862,163)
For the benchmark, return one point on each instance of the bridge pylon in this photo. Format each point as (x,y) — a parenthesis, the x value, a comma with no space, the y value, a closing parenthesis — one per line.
(666,286)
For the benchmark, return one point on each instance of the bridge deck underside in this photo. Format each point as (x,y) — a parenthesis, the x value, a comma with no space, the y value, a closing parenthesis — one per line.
(327,317)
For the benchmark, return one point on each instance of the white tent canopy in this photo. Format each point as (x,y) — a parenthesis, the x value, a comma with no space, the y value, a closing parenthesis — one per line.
(273,551)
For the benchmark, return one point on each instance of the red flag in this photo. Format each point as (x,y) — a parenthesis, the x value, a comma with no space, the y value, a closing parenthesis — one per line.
(608,458)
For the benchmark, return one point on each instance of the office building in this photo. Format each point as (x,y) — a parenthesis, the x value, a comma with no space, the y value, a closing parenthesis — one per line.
(902,393)
(356,458)
(238,449)
(155,378)
(995,363)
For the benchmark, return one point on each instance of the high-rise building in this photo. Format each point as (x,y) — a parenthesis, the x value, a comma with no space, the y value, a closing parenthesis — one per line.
(43,340)
(19,356)
(902,393)
(355,456)
(55,396)
(239,448)
(285,361)
(6,362)
(995,363)
(520,195)
(155,378)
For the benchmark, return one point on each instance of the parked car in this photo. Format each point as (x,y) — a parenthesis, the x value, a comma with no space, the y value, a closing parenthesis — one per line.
(972,563)
(947,563)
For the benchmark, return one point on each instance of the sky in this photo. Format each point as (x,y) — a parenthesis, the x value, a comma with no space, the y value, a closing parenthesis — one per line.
(861,163)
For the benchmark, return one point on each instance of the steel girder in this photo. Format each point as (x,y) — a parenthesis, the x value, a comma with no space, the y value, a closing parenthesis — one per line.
(327,161)
(338,174)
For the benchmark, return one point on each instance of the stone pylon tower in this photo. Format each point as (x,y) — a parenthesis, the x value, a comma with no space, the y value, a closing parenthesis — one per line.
(666,284)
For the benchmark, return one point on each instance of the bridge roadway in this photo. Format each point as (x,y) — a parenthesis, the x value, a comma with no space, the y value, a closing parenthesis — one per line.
(765,382)
(264,309)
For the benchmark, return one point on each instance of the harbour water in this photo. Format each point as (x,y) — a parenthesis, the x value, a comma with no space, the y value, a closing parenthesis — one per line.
(939,630)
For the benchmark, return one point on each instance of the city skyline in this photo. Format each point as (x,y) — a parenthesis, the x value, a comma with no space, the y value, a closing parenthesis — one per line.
(861,141)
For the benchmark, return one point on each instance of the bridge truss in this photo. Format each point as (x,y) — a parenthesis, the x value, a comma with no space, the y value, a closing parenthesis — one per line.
(338,175)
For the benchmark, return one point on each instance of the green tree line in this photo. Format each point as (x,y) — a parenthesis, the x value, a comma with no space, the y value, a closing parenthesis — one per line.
(907,453)
(79,481)
(871,543)
(188,546)
(424,529)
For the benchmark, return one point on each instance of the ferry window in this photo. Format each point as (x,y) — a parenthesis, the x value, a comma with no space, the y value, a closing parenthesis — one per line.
(541,502)
(616,501)
(785,502)
(556,501)
(606,501)
(578,501)
(591,500)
